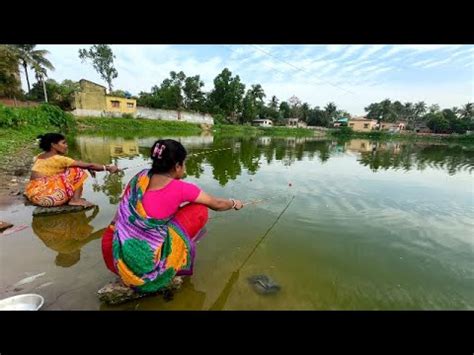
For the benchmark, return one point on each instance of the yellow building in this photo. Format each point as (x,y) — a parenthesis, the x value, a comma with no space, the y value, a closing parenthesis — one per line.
(120,104)
(362,125)
(359,145)
(93,97)
(123,148)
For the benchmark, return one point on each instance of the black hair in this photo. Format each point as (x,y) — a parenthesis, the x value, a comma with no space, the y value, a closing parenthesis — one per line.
(165,154)
(49,138)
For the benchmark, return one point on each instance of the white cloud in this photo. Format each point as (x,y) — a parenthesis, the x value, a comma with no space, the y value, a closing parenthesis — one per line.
(437,63)
(370,51)
(334,48)
(350,51)
(324,74)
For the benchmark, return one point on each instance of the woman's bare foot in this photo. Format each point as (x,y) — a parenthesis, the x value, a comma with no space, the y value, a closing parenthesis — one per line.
(80,202)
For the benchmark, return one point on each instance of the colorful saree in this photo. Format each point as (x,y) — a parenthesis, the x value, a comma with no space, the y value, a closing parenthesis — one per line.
(147,252)
(55,190)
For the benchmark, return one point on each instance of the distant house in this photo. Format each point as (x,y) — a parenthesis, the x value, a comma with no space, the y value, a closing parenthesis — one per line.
(421,127)
(362,124)
(92,99)
(341,122)
(296,123)
(392,127)
(262,123)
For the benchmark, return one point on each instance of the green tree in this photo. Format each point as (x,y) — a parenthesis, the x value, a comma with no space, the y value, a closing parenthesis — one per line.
(384,111)
(467,111)
(285,110)
(28,56)
(295,107)
(419,109)
(331,111)
(60,94)
(253,104)
(437,122)
(10,85)
(194,98)
(102,59)
(409,112)
(226,97)
(305,110)
(434,108)
(318,117)
(249,109)
(40,74)
(170,91)
(271,110)
(398,110)
(273,103)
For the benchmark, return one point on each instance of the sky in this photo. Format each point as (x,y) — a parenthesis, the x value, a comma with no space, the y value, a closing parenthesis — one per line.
(351,76)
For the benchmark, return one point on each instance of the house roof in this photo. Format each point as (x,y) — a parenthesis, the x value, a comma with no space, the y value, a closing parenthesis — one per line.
(80,81)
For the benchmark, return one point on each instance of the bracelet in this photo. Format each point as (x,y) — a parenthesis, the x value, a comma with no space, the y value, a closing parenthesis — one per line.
(234,203)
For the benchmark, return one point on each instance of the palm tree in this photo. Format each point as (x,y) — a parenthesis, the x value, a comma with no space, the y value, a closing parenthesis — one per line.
(409,111)
(40,73)
(420,109)
(274,103)
(257,92)
(467,111)
(31,57)
(331,109)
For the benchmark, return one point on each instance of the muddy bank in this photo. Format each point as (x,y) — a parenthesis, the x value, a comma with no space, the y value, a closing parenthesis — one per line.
(14,175)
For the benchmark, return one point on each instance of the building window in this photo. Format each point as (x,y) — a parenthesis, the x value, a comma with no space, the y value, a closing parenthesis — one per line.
(129,104)
(366,125)
(115,103)
(351,124)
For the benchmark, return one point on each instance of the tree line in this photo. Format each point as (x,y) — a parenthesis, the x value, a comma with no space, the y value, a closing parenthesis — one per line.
(229,101)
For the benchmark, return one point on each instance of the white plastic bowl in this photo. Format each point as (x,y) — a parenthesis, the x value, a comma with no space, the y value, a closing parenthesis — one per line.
(28,302)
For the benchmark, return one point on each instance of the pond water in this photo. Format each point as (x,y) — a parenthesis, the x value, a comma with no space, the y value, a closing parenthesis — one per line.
(368,225)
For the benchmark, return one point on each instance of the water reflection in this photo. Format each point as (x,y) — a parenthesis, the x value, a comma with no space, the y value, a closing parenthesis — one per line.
(395,155)
(248,154)
(66,234)
(104,150)
(112,186)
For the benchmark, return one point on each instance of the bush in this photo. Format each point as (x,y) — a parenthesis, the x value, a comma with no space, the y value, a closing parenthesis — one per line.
(345,131)
(127,115)
(40,116)
(220,119)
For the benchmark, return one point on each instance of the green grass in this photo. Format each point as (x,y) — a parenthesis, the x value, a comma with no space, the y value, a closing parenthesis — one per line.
(13,139)
(19,126)
(120,126)
(236,130)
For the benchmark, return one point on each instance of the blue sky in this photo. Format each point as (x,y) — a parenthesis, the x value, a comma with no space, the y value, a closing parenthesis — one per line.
(352,76)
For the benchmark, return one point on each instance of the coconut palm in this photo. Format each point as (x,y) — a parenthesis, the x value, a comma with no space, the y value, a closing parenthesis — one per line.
(28,56)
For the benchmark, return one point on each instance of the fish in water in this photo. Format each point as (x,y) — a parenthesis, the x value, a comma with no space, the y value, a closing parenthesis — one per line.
(29,279)
(44,285)
(263,284)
